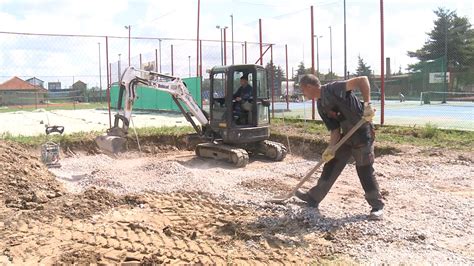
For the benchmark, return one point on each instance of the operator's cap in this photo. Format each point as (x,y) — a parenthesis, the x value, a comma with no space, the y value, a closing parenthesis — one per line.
(245,77)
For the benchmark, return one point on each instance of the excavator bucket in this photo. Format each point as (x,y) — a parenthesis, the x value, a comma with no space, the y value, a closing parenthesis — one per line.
(110,144)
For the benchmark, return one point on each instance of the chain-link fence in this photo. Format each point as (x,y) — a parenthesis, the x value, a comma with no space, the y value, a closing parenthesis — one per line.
(47,70)
(438,87)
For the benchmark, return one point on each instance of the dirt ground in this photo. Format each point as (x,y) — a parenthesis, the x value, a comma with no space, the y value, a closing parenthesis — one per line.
(171,207)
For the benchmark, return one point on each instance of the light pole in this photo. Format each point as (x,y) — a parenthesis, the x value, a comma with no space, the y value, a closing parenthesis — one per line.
(222,57)
(330,48)
(225,46)
(232,33)
(189,60)
(222,28)
(129,28)
(100,77)
(317,53)
(346,76)
(118,69)
(160,54)
(445,60)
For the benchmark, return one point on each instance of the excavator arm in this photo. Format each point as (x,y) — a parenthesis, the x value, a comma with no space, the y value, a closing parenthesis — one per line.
(132,77)
(114,140)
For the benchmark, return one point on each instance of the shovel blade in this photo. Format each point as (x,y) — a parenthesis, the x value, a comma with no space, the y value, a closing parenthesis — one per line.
(277,200)
(281,199)
(111,144)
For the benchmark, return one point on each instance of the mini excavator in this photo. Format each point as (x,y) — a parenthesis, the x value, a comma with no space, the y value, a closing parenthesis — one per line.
(234,127)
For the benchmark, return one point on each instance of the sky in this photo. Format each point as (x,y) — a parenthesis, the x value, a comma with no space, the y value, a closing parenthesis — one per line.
(283,23)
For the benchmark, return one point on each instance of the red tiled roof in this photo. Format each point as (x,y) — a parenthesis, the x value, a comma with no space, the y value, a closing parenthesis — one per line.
(17,84)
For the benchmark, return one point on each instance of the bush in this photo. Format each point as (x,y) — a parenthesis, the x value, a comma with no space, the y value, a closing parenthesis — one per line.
(429,131)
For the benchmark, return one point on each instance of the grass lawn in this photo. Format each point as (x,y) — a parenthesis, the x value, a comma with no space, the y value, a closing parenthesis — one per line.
(428,135)
(425,136)
(53,106)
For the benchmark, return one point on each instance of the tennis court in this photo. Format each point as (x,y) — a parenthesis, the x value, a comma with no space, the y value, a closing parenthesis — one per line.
(453,115)
(409,113)
(33,123)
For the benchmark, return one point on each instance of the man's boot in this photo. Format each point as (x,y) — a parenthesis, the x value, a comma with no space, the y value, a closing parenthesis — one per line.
(307,198)
(376,214)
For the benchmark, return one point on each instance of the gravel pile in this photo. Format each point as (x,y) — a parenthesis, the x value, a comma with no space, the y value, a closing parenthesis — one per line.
(133,175)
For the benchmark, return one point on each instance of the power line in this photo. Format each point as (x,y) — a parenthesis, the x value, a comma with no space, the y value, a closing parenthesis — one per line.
(54,76)
(162,16)
(285,3)
(332,2)
(290,13)
(280,16)
(113,37)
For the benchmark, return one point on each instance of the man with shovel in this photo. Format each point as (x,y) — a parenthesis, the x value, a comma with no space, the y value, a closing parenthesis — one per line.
(340,110)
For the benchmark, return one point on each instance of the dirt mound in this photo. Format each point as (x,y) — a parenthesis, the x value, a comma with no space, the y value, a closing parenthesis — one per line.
(92,201)
(79,257)
(86,204)
(25,182)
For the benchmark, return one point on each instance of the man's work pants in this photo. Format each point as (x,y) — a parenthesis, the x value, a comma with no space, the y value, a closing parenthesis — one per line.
(364,157)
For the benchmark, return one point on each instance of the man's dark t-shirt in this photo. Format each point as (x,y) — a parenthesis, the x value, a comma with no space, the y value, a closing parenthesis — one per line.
(339,108)
(243,92)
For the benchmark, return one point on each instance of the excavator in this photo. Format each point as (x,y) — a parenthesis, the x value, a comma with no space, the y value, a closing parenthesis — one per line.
(234,127)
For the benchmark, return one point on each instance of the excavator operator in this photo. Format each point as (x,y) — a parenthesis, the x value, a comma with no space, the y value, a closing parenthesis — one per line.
(241,99)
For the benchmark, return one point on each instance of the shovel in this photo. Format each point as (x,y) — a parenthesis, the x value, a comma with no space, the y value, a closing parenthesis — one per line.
(311,172)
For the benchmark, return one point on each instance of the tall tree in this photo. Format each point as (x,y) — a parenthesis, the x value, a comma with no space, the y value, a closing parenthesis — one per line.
(278,76)
(330,76)
(364,70)
(301,70)
(451,39)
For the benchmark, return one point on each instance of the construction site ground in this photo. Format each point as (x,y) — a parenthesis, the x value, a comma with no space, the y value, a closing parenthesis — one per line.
(164,205)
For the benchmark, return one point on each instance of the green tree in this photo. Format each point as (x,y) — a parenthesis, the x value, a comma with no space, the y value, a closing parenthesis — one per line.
(278,77)
(302,70)
(330,76)
(364,70)
(452,39)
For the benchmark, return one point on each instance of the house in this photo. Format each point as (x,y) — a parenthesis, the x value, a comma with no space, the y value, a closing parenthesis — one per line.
(54,86)
(79,86)
(79,91)
(16,91)
(35,82)
(74,93)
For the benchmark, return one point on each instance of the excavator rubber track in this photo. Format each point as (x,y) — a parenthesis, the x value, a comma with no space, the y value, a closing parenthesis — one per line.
(272,150)
(237,156)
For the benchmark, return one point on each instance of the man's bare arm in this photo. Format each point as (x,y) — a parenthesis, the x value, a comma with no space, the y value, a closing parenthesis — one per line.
(362,83)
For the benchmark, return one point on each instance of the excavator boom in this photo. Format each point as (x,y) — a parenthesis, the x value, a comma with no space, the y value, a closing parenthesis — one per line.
(114,140)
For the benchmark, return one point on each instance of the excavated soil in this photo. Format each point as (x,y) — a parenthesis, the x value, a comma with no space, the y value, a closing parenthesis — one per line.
(25,184)
(167,206)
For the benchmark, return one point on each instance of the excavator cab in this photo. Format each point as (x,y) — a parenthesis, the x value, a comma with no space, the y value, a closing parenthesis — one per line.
(239,103)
